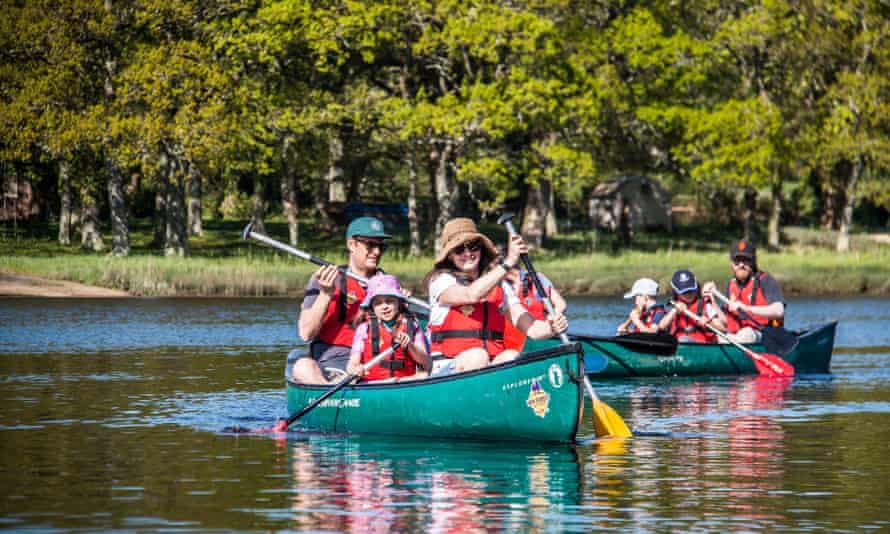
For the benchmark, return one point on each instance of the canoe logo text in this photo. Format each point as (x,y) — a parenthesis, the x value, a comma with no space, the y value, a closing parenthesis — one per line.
(555,376)
(538,399)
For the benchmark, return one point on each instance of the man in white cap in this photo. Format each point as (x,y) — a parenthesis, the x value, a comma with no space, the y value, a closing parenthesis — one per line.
(646,313)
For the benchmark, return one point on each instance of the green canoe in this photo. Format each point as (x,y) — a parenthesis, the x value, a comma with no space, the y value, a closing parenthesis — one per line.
(537,398)
(809,351)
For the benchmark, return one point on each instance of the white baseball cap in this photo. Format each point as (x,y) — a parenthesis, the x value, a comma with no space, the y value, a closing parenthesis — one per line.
(643,286)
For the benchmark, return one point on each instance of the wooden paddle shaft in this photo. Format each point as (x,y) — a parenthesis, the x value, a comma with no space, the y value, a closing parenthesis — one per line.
(249,233)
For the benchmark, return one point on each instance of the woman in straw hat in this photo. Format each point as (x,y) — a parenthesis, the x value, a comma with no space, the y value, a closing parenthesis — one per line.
(470,303)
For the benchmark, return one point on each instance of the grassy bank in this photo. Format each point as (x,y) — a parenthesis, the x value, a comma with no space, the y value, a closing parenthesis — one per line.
(580,264)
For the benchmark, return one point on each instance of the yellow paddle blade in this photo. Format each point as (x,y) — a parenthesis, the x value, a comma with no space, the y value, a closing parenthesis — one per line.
(606,421)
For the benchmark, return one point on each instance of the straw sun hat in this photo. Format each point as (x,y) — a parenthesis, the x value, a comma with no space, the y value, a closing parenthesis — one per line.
(459,231)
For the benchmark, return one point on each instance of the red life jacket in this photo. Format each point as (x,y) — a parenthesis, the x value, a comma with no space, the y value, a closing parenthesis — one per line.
(399,363)
(336,326)
(685,326)
(471,325)
(753,297)
(648,317)
(528,295)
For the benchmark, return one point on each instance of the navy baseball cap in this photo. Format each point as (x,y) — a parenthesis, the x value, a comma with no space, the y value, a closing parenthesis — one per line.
(684,281)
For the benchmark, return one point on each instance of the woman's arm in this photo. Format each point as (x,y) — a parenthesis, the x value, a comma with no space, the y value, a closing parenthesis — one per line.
(458,294)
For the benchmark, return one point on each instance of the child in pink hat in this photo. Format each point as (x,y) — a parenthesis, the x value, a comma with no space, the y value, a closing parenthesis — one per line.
(386,322)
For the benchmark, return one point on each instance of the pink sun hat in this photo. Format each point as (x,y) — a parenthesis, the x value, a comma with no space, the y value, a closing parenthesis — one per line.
(383,285)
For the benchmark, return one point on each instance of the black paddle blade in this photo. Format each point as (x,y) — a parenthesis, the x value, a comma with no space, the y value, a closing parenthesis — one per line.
(660,344)
(777,340)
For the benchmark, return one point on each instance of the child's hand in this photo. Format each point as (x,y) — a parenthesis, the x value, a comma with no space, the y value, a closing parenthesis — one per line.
(402,340)
(354,367)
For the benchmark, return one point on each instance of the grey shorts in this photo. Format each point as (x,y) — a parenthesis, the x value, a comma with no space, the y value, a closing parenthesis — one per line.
(331,359)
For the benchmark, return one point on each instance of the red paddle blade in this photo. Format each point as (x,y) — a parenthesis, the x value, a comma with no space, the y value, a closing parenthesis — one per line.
(280,426)
(772,365)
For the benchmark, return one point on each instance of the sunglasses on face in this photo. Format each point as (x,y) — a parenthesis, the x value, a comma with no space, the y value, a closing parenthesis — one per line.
(472,246)
(740,262)
(371,245)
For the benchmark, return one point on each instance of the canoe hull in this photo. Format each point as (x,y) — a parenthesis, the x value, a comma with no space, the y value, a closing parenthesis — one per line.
(811,355)
(532,399)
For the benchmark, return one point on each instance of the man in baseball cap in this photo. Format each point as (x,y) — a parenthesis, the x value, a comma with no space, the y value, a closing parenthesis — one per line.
(332,301)
(754,299)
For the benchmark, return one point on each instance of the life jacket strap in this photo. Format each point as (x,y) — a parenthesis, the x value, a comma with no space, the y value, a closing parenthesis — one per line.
(442,335)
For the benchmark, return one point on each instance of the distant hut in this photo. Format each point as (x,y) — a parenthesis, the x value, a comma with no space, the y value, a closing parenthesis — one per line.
(643,202)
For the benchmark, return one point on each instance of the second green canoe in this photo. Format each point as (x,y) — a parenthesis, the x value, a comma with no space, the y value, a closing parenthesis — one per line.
(809,353)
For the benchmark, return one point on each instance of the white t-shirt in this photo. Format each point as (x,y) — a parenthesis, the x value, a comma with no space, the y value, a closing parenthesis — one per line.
(445,280)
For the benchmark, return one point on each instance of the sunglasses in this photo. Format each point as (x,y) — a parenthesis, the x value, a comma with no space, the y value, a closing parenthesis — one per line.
(472,246)
(371,245)
(742,262)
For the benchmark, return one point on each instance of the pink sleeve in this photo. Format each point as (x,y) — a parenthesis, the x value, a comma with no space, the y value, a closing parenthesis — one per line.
(358,342)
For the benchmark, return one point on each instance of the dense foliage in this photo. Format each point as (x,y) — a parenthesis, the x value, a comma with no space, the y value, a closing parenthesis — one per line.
(235,107)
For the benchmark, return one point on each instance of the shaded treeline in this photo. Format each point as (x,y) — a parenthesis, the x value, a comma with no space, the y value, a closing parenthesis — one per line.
(176,108)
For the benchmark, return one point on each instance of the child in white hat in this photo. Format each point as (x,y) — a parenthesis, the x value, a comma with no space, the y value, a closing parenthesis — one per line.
(646,314)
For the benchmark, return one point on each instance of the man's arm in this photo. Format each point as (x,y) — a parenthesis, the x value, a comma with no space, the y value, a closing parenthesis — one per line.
(315,304)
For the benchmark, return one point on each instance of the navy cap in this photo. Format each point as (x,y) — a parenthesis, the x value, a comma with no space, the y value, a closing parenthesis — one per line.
(684,281)
(366,227)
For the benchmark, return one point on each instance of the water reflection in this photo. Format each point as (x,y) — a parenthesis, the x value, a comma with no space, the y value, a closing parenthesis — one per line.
(362,484)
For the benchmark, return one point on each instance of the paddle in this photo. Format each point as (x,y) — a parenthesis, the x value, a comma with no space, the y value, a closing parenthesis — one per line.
(249,233)
(766,364)
(774,338)
(282,424)
(606,421)
(659,343)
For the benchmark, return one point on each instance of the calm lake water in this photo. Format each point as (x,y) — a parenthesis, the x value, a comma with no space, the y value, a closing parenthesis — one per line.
(113,409)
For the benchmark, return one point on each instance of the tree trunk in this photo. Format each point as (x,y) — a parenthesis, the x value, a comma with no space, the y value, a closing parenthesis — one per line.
(259,204)
(623,228)
(447,192)
(65,208)
(534,215)
(846,222)
(550,227)
(117,203)
(176,235)
(775,218)
(334,178)
(413,226)
(133,187)
(90,236)
(160,214)
(289,193)
(195,225)
(749,213)
(117,200)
